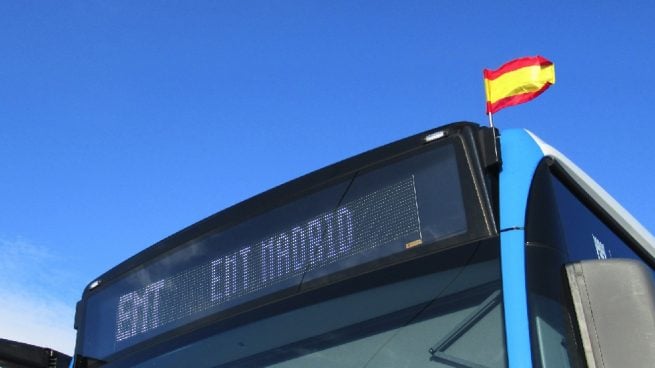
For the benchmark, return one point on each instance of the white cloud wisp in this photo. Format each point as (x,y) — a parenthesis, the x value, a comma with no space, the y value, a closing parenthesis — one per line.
(36,306)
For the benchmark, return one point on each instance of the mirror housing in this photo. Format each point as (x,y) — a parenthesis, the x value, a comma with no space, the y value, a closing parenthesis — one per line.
(614,303)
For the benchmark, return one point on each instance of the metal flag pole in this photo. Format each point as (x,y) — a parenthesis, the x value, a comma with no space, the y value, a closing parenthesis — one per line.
(493,132)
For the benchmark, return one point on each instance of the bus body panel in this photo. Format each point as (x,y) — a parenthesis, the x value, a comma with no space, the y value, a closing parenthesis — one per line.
(520,156)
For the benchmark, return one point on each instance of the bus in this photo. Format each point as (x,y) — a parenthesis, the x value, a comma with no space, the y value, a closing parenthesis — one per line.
(15,354)
(461,246)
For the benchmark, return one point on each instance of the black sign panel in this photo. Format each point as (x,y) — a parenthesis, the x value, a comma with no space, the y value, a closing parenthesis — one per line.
(384,211)
(366,223)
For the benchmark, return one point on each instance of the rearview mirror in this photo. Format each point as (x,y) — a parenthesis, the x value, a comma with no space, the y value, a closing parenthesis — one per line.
(614,303)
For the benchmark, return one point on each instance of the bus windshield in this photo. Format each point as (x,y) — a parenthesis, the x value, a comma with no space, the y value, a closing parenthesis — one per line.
(441,311)
(304,246)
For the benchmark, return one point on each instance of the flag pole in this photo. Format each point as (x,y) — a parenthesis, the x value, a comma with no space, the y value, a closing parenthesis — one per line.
(493,132)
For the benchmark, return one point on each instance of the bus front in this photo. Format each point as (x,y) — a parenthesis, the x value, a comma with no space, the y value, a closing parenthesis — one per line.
(387,259)
(445,249)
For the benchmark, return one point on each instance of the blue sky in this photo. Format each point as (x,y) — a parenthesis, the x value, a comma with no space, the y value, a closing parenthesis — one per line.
(122,122)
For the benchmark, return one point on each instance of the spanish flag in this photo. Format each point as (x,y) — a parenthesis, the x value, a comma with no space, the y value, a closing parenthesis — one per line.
(517,81)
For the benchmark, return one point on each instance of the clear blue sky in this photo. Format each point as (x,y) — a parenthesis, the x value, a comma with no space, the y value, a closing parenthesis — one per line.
(122,122)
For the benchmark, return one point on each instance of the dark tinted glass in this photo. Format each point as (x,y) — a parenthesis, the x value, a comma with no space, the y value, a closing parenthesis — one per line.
(375,214)
(586,236)
(443,310)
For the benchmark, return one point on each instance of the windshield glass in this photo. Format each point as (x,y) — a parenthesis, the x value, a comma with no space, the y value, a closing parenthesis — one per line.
(443,310)
(409,205)
(315,267)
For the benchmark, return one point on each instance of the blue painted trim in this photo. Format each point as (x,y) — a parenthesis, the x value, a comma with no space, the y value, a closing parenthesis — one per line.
(520,154)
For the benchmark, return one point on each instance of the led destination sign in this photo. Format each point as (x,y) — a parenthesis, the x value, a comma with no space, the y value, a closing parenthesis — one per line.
(369,222)
(413,201)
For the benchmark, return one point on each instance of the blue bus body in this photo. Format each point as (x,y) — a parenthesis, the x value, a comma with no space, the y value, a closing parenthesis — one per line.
(522,153)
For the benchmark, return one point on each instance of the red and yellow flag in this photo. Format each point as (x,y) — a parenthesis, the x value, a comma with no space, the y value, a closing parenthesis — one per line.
(517,81)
